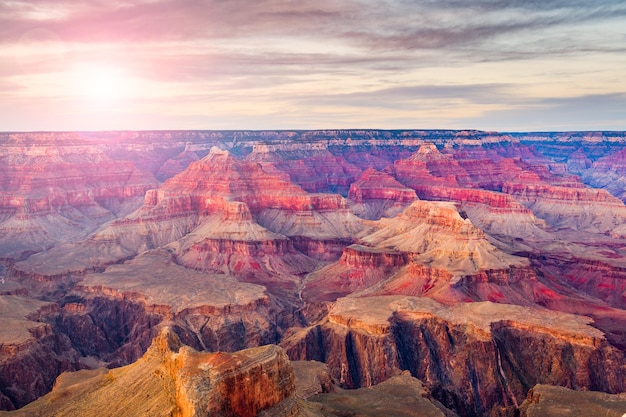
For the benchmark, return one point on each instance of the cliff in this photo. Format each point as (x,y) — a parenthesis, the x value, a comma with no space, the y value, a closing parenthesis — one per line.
(468,355)
(52,194)
(219,314)
(578,208)
(377,194)
(314,169)
(431,234)
(31,354)
(174,380)
(251,240)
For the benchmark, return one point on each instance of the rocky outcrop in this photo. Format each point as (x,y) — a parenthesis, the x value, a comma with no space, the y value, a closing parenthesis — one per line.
(234,244)
(320,234)
(52,194)
(551,401)
(315,170)
(217,185)
(376,194)
(429,167)
(399,396)
(599,278)
(32,355)
(431,235)
(220,314)
(578,208)
(359,267)
(470,355)
(174,380)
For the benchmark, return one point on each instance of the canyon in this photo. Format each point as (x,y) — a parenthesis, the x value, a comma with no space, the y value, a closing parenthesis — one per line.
(312,273)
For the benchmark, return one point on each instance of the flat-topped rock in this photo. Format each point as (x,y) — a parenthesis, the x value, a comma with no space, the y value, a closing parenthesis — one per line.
(15,328)
(399,396)
(551,401)
(374,314)
(156,279)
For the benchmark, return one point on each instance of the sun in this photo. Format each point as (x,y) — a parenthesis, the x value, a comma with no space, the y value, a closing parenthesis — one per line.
(104,85)
(100,84)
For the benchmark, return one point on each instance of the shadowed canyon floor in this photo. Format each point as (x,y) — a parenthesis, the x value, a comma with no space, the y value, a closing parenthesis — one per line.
(335,273)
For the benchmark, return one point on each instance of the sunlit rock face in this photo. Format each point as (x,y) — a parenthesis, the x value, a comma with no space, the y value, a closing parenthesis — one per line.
(469,269)
(486,348)
(172,379)
(377,194)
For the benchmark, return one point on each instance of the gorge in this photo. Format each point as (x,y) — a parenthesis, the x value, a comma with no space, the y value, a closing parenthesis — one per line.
(312,273)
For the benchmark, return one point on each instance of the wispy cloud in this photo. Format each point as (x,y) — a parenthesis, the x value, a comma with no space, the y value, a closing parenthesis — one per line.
(326,57)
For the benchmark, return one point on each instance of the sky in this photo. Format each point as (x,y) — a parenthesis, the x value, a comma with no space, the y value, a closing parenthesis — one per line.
(535,65)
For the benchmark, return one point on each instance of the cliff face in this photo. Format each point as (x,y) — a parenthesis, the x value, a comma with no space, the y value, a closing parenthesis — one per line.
(578,208)
(51,194)
(174,380)
(217,185)
(426,236)
(376,194)
(250,240)
(315,170)
(32,355)
(477,346)
(220,314)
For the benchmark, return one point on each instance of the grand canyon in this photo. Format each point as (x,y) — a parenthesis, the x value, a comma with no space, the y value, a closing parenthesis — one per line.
(313,273)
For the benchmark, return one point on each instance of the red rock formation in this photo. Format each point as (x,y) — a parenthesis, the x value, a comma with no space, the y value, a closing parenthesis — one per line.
(51,194)
(358,268)
(313,170)
(376,194)
(575,207)
(32,355)
(174,380)
(187,201)
(430,167)
(477,346)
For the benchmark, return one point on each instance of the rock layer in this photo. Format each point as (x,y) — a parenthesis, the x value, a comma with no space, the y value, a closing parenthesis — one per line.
(469,355)
(174,380)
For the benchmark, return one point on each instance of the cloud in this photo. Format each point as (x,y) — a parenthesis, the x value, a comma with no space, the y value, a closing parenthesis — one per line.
(137,21)
(583,112)
(416,97)
(353,60)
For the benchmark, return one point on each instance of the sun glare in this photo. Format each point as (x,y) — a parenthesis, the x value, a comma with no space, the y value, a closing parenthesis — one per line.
(103,85)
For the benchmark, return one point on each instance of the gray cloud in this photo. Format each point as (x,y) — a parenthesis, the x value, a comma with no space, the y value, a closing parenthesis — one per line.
(416,96)
(253,48)
(584,112)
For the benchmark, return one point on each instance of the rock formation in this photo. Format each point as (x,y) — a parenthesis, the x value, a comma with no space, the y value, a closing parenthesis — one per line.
(174,380)
(481,263)
(551,401)
(31,354)
(377,194)
(51,194)
(469,355)
(427,236)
